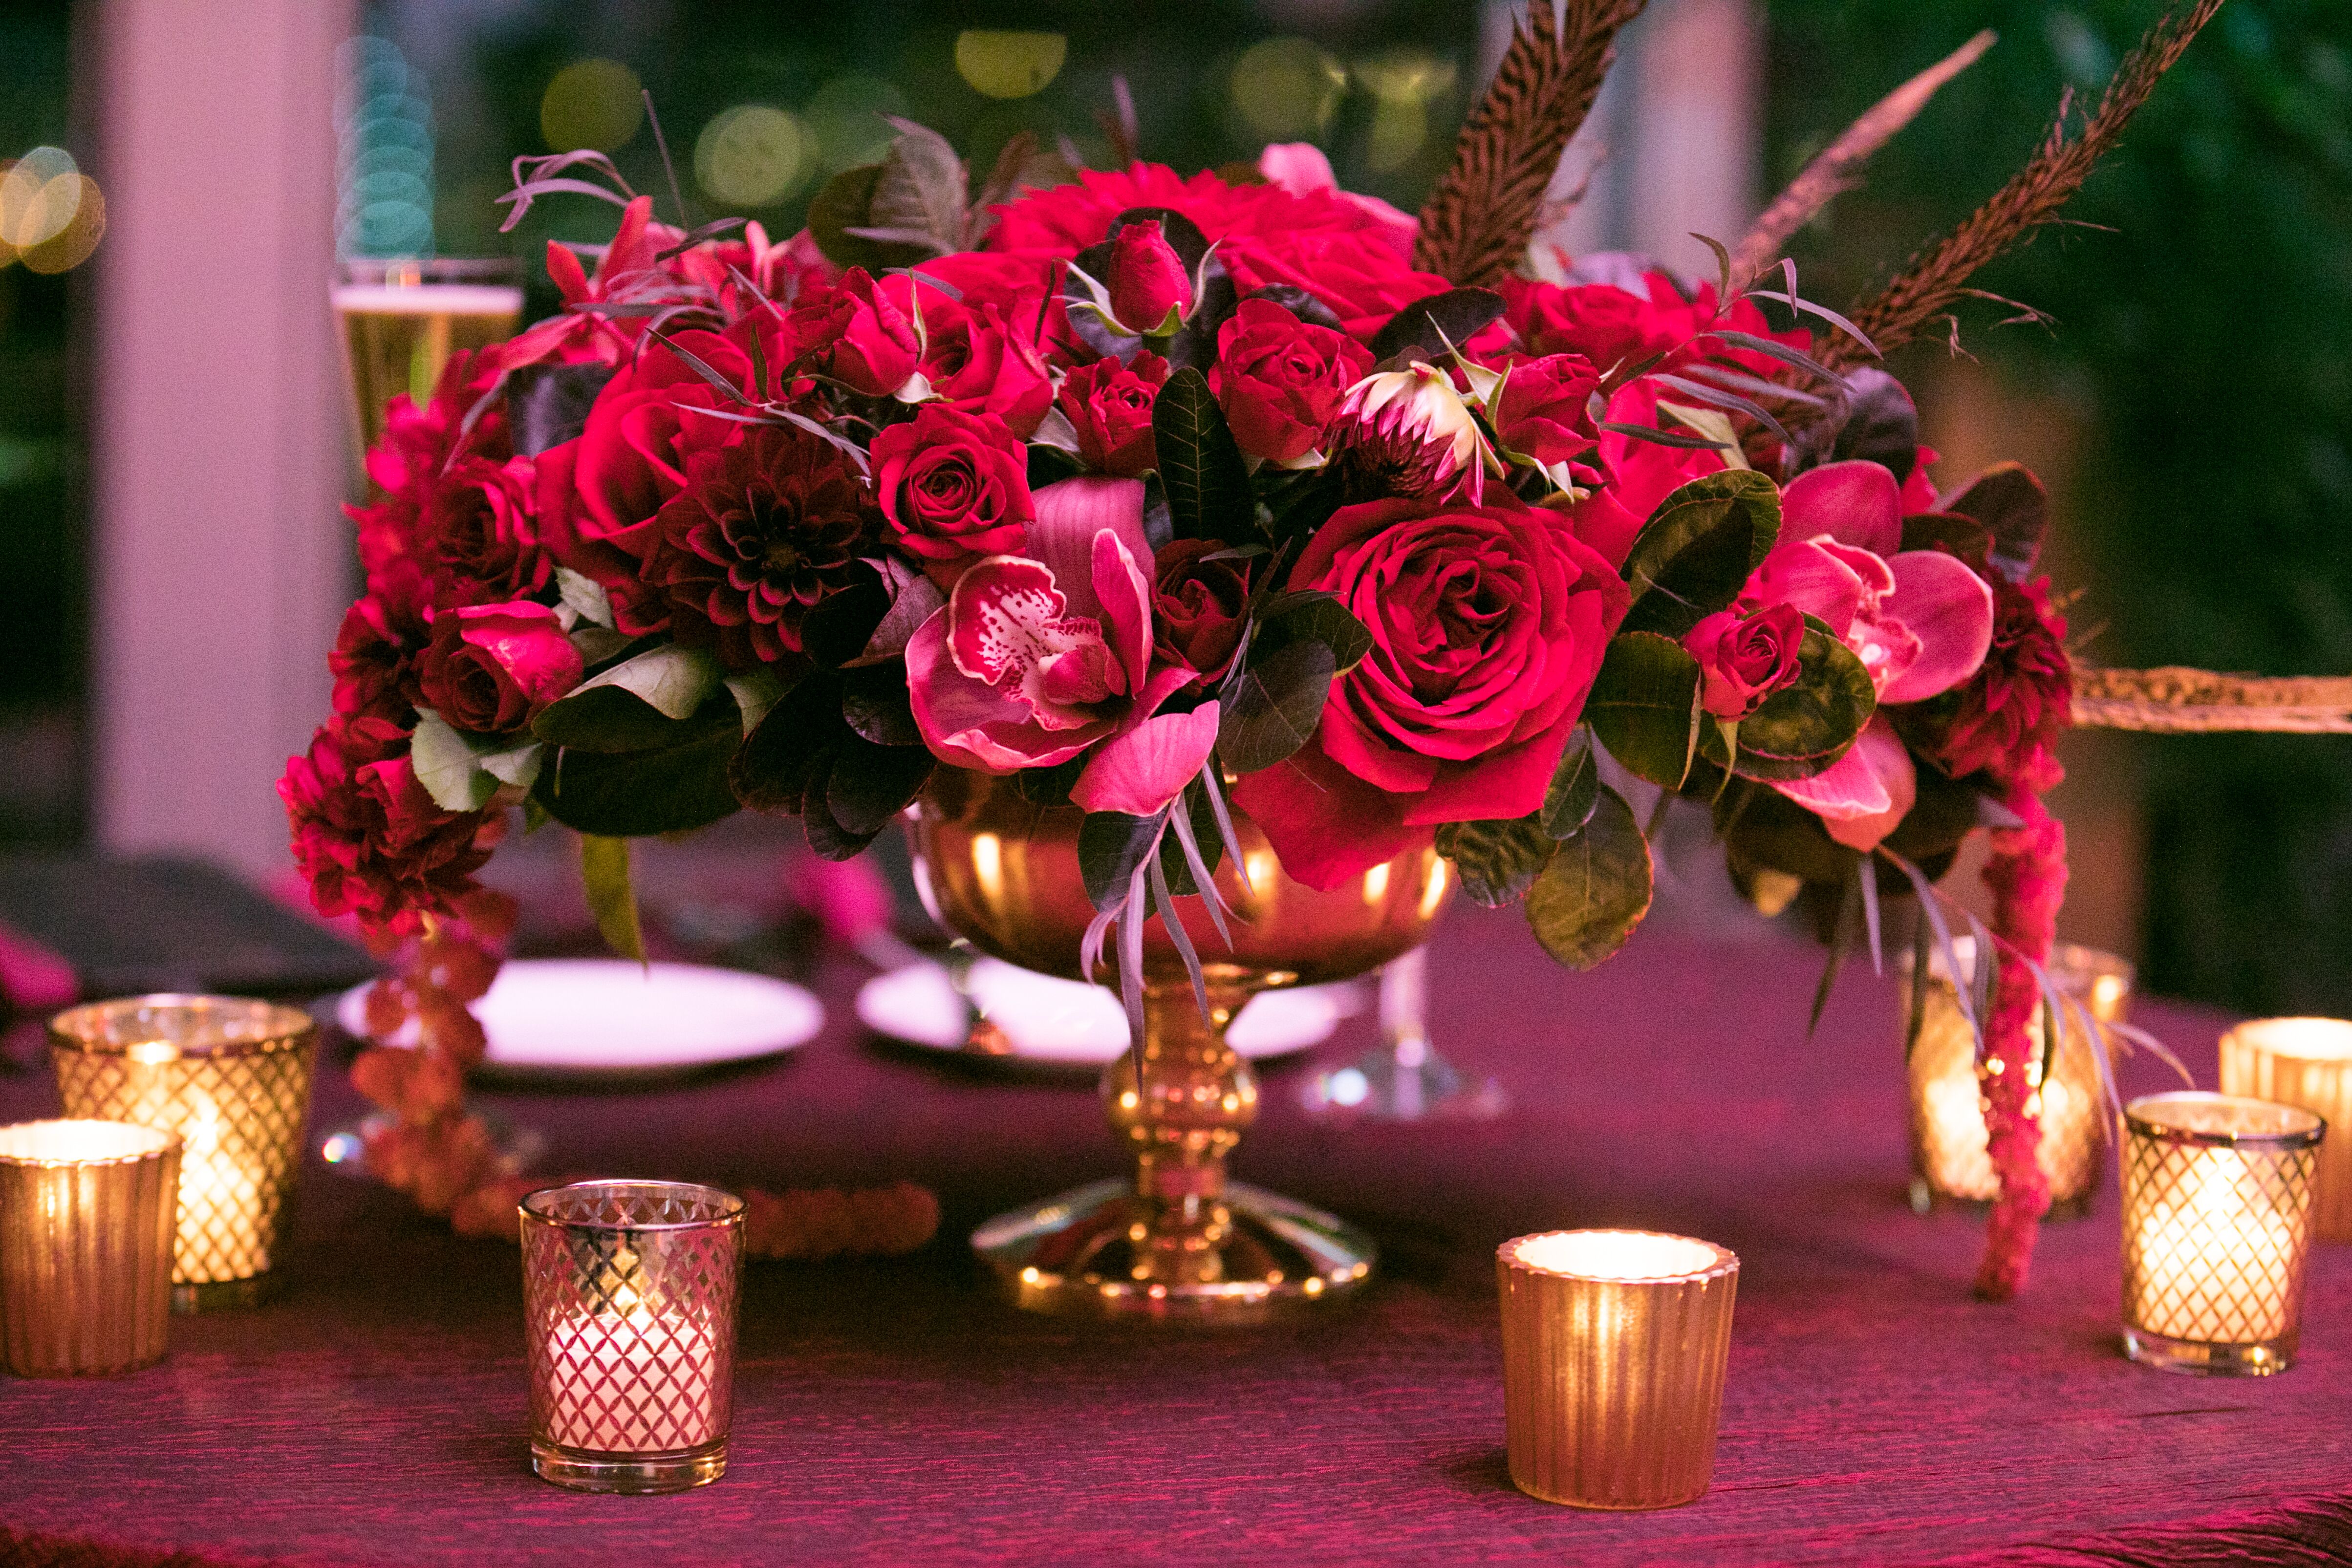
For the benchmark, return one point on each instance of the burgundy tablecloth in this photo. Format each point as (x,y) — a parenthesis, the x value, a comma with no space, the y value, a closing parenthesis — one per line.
(892,1411)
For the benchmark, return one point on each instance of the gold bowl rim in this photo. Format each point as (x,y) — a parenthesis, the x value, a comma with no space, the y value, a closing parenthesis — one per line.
(82,1029)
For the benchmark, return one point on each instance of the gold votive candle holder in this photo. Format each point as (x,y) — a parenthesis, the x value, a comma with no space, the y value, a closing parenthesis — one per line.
(1949,1161)
(1613,1349)
(2306,1062)
(85,1246)
(629,1299)
(231,1078)
(2217,1229)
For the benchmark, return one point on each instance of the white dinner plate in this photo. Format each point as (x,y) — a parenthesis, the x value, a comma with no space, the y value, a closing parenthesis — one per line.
(1063,1023)
(612,1018)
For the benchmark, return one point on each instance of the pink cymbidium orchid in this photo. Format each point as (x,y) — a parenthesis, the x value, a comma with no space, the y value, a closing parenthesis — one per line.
(1920,622)
(1038,656)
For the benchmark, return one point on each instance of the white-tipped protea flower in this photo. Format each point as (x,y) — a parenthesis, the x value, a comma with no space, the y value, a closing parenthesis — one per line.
(1408,433)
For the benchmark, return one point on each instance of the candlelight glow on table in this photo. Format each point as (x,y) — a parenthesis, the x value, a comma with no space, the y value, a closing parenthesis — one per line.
(629,1299)
(2306,1062)
(1949,1159)
(85,1245)
(1614,1350)
(231,1078)
(2216,1230)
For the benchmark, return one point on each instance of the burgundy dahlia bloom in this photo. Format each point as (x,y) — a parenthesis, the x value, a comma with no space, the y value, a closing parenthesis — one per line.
(2010,714)
(765,527)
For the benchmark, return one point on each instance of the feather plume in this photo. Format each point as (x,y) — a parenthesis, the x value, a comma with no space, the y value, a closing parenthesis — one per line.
(1477,222)
(1936,279)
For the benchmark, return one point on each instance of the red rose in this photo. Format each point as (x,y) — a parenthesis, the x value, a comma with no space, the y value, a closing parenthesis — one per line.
(1620,327)
(1545,409)
(480,526)
(1489,624)
(953,485)
(767,525)
(1743,660)
(861,334)
(1279,380)
(1196,606)
(491,666)
(2014,709)
(368,838)
(976,363)
(1151,292)
(1109,406)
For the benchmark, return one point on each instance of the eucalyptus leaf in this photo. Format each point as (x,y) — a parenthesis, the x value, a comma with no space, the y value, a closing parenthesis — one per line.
(611,895)
(922,188)
(1497,860)
(2014,510)
(1200,467)
(875,703)
(1596,888)
(1643,705)
(1275,706)
(1696,553)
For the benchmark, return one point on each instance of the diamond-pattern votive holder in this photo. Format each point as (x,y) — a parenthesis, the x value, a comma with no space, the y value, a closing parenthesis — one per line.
(1614,1350)
(232,1077)
(629,1299)
(2217,1229)
(85,1246)
(1949,1161)
(2306,1062)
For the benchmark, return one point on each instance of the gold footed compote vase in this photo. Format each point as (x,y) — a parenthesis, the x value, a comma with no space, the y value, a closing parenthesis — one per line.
(1178,1240)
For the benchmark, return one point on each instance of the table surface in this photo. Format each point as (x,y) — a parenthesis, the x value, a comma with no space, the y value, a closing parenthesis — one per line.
(1874,1412)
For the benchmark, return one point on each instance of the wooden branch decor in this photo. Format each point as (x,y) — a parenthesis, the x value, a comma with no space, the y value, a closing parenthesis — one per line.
(1477,224)
(2177,701)
(1936,279)
(1838,168)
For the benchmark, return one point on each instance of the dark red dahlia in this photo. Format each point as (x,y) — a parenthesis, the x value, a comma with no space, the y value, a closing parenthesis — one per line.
(765,527)
(2010,715)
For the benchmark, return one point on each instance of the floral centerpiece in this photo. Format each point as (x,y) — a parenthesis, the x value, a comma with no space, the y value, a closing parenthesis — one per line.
(1176,498)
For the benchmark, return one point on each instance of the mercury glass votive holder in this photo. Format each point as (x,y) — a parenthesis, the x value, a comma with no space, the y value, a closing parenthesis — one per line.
(629,1300)
(1949,1161)
(231,1078)
(85,1246)
(1613,1349)
(2217,1229)
(2306,1062)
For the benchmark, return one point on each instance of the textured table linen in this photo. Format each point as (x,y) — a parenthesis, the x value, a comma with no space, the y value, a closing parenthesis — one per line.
(894,1412)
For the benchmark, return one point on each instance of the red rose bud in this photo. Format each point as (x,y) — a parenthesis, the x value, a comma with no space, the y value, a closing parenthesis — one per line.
(1279,380)
(1544,410)
(1109,406)
(1742,660)
(1196,608)
(1151,291)
(491,666)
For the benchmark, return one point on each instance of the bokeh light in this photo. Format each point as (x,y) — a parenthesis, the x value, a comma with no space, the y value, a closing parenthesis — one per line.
(1009,65)
(751,155)
(1286,89)
(1401,83)
(383,120)
(70,245)
(593,102)
(52,215)
(844,118)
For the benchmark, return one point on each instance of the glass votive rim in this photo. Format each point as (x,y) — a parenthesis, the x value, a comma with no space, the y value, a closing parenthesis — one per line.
(1706,1260)
(2287,1038)
(135,1141)
(225,1026)
(2174,1117)
(724,1208)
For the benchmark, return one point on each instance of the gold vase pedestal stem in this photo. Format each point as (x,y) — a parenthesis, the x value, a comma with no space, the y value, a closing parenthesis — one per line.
(1179,1239)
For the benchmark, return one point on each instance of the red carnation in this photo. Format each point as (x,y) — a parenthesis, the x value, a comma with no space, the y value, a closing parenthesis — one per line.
(1279,380)
(491,667)
(380,636)
(368,838)
(478,524)
(953,485)
(1108,405)
(764,528)
(2012,711)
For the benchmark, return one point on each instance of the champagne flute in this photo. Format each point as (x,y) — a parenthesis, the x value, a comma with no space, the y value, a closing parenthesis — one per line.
(402,318)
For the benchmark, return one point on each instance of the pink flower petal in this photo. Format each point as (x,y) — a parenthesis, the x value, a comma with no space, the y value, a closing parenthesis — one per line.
(1858,503)
(969,724)
(1006,629)
(1812,576)
(1863,795)
(1148,766)
(1949,609)
(1069,515)
(1125,593)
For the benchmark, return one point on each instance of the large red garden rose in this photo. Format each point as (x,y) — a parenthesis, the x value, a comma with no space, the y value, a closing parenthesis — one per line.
(1279,380)
(367,837)
(1489,624)
(491,667)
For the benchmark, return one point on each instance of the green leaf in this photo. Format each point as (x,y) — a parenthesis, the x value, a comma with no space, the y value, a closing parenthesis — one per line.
(1209,495)
(1275,706)
(1597,888)
(585,597)
(635,705)
(666,790)
(672,679)
(1428,325)
(612,898)
(922,188)
(1111,845)
(1693,556)
(754,695)
(462,771)
(1806,726)
(1644,706)
(871,784)
(842,206)
(1497,859)
(1312,613)
(1575,787)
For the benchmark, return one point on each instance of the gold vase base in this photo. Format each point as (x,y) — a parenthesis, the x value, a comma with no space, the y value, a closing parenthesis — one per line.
(217,1295)
(1085,1254)
(582,1470)
(2196,1358)
(1927,1198)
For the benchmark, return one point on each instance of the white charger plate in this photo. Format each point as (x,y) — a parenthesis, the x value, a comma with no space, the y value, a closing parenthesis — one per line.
(1053,1022)
(612,1019)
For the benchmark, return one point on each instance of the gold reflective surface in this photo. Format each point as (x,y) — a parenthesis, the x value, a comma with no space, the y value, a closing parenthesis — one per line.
(2306,1062)
(86,1214)
(1179,1240)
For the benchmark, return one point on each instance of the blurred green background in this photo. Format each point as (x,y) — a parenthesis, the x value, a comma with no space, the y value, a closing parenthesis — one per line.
(2197,369)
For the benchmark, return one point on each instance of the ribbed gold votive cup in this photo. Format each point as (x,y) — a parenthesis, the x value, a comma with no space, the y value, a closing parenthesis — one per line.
(1949,1161)
(2306,1062)
(231,1078)
(2217,1229)
(629,1301)
(1614,1350)
(85,1245)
